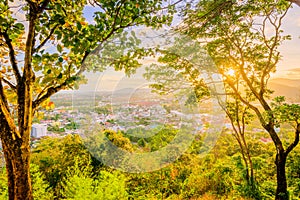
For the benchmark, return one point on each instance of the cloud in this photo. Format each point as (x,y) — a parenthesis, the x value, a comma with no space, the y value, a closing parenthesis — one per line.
(294,70)
(293,73)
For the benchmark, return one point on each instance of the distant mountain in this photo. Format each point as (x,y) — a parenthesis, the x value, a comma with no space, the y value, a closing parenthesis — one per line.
(123,91)
(287,82)
(130,91)
(290,88)
(132,94)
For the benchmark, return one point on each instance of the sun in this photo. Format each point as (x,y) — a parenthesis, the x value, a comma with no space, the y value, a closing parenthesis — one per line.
(230,72)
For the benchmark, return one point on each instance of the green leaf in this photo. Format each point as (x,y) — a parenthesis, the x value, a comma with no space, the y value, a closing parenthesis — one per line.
(19,26)
(62,21)
(79,26)
(59,49)
(60,76)
(60,59)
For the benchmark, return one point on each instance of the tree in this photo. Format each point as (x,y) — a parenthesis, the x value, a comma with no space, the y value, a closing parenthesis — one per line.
(43,47)
(79,183)
(40,187)
(239,116)
(175,71)
(55,155)
(244,37)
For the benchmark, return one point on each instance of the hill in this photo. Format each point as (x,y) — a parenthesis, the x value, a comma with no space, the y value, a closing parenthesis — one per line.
(290,88)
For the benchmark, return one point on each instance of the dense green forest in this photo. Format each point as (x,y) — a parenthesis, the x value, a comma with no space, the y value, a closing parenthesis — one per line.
(62,168)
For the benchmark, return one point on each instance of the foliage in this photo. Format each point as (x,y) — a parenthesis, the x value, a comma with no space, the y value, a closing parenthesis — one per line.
(54,46)
(3,184)
(294,174)
(152,139)
(79,184)
(41,189)
(72,125)
(219,174)
(53,39)
(103,109)
(243,39)
(55,155)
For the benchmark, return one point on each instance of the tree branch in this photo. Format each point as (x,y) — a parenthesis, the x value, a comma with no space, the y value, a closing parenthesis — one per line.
(295,1)
(268,67)
(54,89)
(12,56)
(46,39)
(255,109)
(44,5)
(12,86)
(4,109)
(25,111)
(50,92)
(2,96)
(295,142)
(261,99)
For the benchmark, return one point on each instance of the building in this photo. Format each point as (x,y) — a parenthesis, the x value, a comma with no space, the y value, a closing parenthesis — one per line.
(38,130)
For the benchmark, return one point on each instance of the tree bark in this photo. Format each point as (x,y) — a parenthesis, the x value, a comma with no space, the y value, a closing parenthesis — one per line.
(281,191)
(280,162)
(17,159)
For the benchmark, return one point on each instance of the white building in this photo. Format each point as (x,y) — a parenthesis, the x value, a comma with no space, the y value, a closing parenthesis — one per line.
(38,130)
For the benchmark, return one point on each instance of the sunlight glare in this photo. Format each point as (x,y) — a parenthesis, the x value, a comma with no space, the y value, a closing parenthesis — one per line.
(231,72)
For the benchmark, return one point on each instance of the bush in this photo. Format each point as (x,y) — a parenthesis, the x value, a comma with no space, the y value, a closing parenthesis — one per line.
(79,184)
(40,187)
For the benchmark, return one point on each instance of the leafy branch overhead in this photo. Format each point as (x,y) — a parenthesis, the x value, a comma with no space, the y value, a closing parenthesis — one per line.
(286,112)
(44,46)
(50,45)
(243,39)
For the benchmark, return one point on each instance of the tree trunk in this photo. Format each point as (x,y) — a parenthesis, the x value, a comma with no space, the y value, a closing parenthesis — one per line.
(17,158)
(281,191)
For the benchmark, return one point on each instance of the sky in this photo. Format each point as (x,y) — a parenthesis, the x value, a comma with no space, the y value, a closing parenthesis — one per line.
(290,49)
(289,66)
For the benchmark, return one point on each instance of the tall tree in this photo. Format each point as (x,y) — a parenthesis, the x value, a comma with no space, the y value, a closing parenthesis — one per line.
(43,46)
(244,36)
(240,116)
(175,71)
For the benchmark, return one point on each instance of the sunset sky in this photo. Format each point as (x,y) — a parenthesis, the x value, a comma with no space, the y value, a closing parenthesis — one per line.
(289,66)
(290,49)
